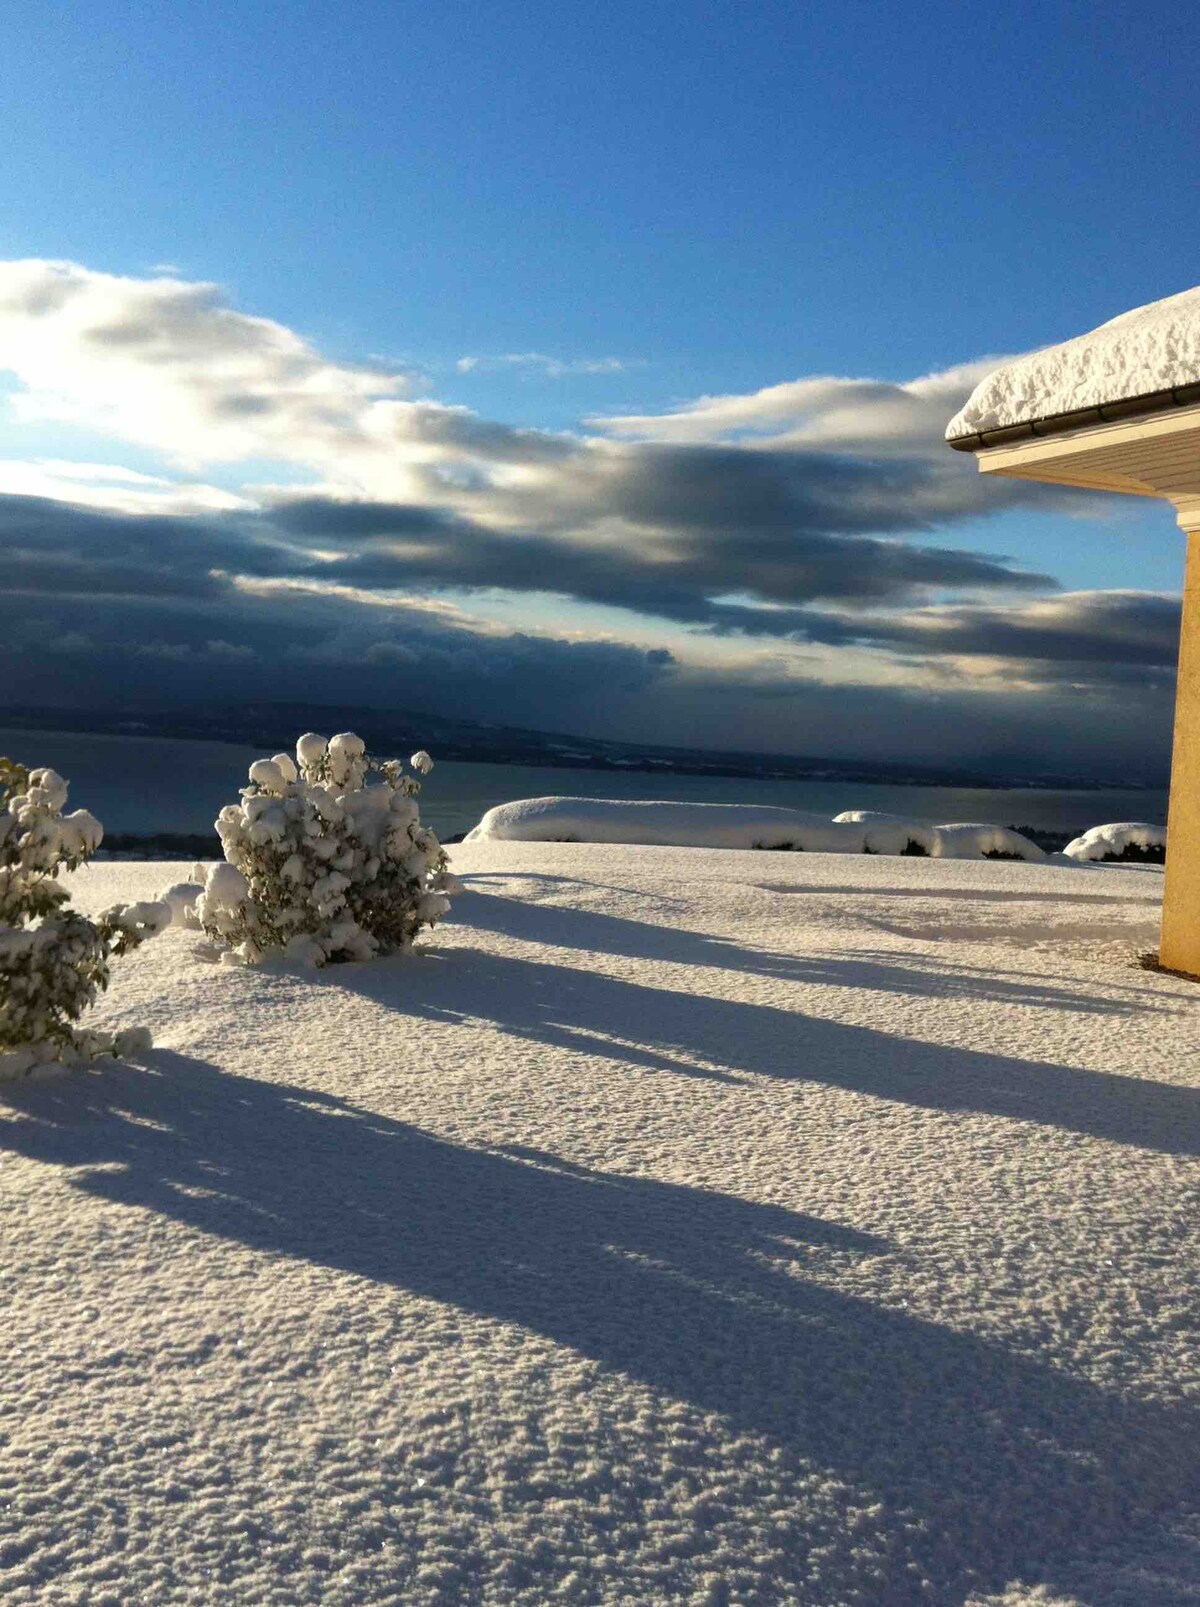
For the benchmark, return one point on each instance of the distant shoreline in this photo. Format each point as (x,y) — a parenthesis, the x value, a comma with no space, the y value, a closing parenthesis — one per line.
(159,796)
(169,845)
(272,727)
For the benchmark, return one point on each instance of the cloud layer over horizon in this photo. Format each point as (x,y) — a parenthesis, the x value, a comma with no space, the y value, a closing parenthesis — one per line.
(774,570)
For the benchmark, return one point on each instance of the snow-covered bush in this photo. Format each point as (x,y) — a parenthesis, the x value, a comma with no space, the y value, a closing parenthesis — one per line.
(891,834)
(53,961)
(1133,841)
(319,865)
(975,840)
(766,826)
(658,822)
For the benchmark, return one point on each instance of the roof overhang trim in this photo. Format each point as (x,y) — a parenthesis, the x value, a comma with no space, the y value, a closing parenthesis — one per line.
(1083,418)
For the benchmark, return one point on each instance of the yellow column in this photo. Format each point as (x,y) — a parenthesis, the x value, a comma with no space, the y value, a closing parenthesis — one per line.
(1180,946)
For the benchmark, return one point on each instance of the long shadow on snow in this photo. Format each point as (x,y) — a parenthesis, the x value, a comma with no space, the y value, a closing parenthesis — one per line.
(697,1035)
(931,893)
(935,894)
(989,1465)
(597,932)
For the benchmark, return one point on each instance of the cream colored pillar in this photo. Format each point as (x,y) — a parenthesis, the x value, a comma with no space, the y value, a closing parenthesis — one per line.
(1180,946)
(1155,453)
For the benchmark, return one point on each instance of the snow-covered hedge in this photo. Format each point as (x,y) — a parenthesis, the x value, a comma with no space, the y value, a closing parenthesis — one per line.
(689,825)
(891,834)
(1130,840)
(53,961)
(681,825)
(319,865)
(976,840)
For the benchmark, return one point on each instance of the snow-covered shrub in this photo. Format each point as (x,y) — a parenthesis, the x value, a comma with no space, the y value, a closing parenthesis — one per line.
(53,961)
(891,834)
(319,865)
(762,826)
(980,841)
(659,822)
(1133,841)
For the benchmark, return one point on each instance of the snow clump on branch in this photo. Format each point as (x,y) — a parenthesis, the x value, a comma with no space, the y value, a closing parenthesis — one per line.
(319,865)
(53,961)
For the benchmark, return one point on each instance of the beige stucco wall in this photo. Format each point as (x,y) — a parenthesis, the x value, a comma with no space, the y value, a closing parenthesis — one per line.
(1157,455)
(1180,946)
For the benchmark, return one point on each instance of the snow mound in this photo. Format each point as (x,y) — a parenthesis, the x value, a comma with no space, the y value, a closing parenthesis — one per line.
(891,834)
(180,898)
(1148,349)
(1113,841)
(686,825)
(661,824)
(971,840)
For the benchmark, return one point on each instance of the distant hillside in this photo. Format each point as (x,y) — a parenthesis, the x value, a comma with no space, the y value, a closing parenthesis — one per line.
(276,725)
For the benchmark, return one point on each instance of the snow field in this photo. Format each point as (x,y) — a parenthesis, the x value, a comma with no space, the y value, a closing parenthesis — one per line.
(683,1226)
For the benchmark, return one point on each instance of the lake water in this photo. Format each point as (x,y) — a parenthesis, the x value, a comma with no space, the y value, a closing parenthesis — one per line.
(150,784)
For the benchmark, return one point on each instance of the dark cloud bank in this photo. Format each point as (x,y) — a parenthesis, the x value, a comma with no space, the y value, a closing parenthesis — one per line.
(106,608)
(777,542)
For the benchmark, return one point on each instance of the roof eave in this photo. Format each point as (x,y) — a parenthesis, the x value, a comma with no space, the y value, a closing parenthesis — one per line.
(1081,418)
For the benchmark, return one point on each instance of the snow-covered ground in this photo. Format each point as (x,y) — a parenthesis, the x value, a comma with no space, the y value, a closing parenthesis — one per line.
(686,1226)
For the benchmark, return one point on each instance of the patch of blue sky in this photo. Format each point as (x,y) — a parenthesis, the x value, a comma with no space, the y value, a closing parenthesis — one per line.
(1129,542)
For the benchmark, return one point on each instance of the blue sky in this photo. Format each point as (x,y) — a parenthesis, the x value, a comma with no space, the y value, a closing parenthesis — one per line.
(548,215)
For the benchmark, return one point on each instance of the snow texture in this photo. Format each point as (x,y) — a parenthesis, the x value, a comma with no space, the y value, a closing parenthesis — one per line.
(681,1227)
(1110,842)
(1151,348)
(688,825)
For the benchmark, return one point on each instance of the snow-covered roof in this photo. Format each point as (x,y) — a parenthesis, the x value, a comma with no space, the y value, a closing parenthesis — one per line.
(1149,354)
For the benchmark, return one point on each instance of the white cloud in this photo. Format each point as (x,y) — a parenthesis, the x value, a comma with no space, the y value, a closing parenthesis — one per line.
(164,363)
(167,364)
(110,486)
(220,648)
(797,492)
(826,412)
(800,513)
(549,367)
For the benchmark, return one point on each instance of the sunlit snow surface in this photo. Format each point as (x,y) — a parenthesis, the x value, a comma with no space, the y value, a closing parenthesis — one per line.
(686,1226)
(1148,349)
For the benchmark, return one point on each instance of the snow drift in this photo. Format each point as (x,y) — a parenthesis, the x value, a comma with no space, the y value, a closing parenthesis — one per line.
(976,840)
(688,825)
